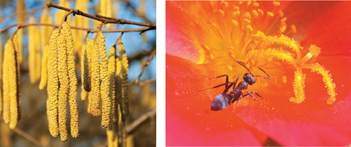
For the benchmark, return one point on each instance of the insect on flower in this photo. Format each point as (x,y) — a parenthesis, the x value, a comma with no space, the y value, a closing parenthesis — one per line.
(223,100)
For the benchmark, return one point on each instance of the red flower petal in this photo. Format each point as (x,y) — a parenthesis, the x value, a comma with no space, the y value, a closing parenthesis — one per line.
(189,120)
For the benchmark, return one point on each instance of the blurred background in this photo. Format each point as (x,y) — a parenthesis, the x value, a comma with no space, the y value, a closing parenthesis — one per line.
(142,95)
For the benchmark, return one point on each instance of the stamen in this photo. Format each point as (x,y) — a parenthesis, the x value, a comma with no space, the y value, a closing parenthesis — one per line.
(254,13)
(314,51)
(299,85)
(222,12)
(327,81)
(276,3)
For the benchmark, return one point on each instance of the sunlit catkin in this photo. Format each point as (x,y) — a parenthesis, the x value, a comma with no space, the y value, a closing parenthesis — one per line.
(1,76)
(6,81)
(12,75)
(64,85)
(124,81)
(52,89)
(83,65)
(31,50)
(44,69)
(112,75)
(17,48)
(87,65)
(95,82)
(105,82)
(72,80)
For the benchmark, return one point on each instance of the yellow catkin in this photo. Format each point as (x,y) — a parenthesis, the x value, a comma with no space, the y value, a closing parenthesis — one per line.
(37,56)
(109,133)
(64,85)
(6,88)
(109,12)
(84,65)
(45,31)
(16,44)
(20,19)
(1,76)
(52,102)
(44,69)
(31,50)
(119,76)
(87,65)
(105,82)
(112,74)
(124,81)
(72,80)
(103,7)
(12,73)
(95,82)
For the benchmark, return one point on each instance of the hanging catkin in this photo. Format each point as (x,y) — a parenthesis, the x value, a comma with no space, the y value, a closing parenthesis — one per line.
(52,101)
(112,75)
(124,81)
(6,81)
(44,69)
(87,64)
(105,82)
(84,65)
(1,77)
(72,80)
(95,82)
(17,48)
(64,85)
(12,73)
(31,50)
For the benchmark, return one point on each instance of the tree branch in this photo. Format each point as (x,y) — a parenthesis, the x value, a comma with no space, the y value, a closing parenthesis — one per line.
(104,20)
(79,28)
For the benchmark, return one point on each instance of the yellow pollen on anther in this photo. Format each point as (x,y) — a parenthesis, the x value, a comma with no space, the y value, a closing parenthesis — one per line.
(236,13)
(230,67)
(255,4)
(270,14)
(260,11)
(247,21)
(225,4)
(212,57)
(206,47)
(235,23)
(276,3)
(247,15)
(283,20)
(221,11)
(327,81)
(254,14)
(282,29)
(249,28)
(236,8)
(299,85)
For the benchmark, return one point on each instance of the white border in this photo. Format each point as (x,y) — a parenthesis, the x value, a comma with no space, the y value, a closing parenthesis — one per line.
(160,73)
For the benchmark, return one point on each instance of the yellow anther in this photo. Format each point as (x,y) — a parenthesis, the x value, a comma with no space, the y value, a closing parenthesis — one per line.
(260,11)
(249,2)
(255,4)
(314,50)
(270,14)
(299,85)
(222,12)
(247,21)
(230,67)
(327,81)
(212,57)
(234,23)
(248,27)
(247,15)
(202,57)
(281,14)
(283,20)
(293,28)
(254,14)
(276,3)
(236,13)
(236,8)
(282,29)
(213,24)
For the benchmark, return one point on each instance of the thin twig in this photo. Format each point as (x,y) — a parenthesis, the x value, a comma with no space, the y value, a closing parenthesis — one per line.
(116,20)
(147,82)
(25,135)
(76,28)
(146,63)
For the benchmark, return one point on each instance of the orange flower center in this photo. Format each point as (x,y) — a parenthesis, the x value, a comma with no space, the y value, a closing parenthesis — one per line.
(245,33)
